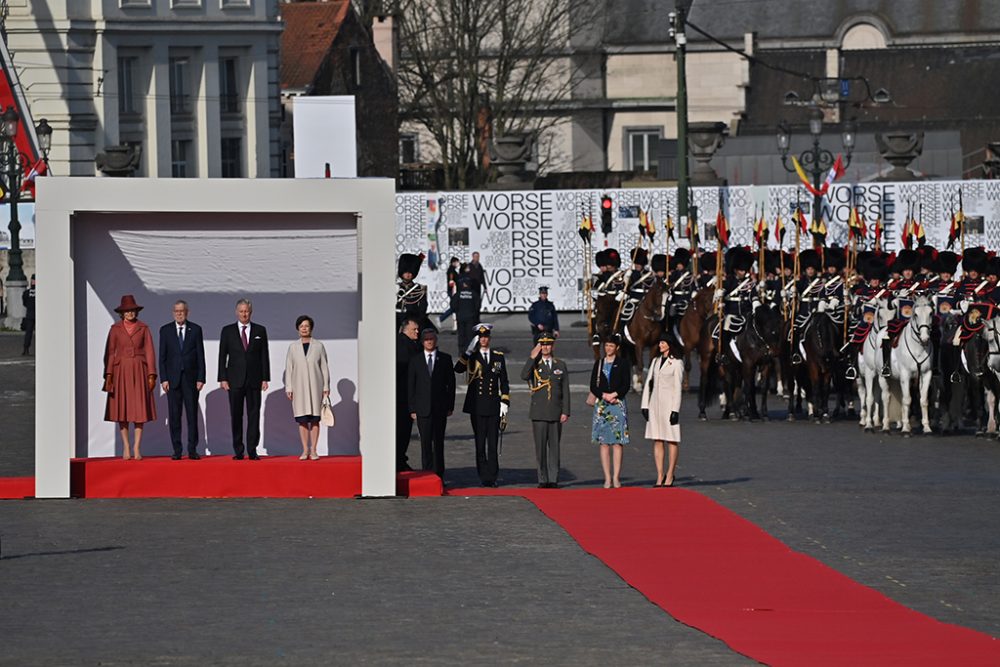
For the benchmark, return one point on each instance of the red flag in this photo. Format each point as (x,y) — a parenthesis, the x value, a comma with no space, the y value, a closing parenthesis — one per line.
(722,228)
(800,218)
(39,169)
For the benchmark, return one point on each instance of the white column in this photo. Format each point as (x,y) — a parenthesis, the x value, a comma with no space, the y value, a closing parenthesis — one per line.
(55,439)
(106,59)
(258,141)
(209,146)
(157,144)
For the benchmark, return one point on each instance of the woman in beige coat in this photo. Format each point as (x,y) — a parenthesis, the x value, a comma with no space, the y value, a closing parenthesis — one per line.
(661,406)
(307,383)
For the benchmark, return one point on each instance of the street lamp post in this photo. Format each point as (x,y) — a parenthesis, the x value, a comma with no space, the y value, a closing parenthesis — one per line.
(816,160)
(12,166)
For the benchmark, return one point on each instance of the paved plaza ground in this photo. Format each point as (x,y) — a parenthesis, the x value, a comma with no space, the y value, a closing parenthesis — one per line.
(476,580)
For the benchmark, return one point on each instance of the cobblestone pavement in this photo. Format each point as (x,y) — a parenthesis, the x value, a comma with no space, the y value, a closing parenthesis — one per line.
(913,518)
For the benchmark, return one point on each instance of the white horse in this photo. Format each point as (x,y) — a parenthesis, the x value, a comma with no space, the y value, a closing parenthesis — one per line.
(911,359)
(993,340)
(869,367)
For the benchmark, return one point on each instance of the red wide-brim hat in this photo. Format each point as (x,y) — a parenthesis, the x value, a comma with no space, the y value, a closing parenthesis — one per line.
(128,303)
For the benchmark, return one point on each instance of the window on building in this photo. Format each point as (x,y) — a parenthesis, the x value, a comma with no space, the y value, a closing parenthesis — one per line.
(356,66)
(232,157)
(229,94)
(640,147)
(127,100)
(180,152)
(180,95)
(408,148)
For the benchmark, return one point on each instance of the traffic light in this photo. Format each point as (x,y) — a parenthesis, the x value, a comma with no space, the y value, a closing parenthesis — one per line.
(606,205)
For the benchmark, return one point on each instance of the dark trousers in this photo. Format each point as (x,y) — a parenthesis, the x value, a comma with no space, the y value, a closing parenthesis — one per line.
(487,431)
(404,429)
(29,331)
(547,435)
(466,330)
(237,397)
(431,431)
(183,396)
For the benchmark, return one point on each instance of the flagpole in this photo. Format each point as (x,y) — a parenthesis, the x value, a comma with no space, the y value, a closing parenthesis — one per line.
(796,268)
(961,215)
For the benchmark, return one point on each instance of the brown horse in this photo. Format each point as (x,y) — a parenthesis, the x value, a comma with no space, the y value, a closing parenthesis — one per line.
(642,333)
(696,329)
(605,311)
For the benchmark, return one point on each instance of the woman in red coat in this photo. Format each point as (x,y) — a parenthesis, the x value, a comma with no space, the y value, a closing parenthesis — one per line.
(129,374)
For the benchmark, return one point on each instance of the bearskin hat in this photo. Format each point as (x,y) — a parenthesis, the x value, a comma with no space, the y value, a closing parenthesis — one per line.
(600,258)
(706,263)
(772,261)
(613,259)
(809,257)
(659,263)
(834,257)
(906,259)
(681,256)
(875,267)
(739,259)
(928,257)
(409,263)
(992,267)
(947,262)
(974,259)
(639,256)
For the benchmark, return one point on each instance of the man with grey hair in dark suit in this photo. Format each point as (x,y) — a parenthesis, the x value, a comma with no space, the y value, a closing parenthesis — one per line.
(244,371)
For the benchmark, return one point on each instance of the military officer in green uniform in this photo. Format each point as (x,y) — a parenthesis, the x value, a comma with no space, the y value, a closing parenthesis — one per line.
(548,379)
(486,400)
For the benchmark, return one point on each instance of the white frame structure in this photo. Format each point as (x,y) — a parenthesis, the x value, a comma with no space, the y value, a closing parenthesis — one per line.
(371,201)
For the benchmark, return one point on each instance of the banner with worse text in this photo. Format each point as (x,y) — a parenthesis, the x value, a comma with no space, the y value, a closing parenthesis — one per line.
(527,239)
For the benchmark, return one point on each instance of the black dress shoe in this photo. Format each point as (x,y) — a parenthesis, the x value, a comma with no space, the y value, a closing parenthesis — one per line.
(194,456)
(176,457)
(254,457)
(543,485)
(238,457)
(553,485)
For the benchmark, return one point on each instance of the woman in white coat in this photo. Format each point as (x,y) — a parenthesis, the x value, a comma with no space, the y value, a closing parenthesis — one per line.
(661,406)
(307,383)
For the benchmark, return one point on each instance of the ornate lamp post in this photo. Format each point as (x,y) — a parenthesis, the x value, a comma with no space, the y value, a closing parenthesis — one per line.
(12,166)
(816,161)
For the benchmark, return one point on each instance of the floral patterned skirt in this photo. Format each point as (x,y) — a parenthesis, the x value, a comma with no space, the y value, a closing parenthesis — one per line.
(610,424)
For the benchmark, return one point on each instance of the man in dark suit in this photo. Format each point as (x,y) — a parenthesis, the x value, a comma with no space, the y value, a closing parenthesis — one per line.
(406,347)
(486,401)
(182,371)
(244,371)
(431,393)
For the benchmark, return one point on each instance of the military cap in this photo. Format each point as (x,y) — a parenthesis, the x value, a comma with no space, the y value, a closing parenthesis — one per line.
(483,330)
(545,338)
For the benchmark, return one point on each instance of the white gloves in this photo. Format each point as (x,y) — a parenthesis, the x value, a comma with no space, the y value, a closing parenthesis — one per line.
(503,409)
(472,346)
(621,296)
(718,295)
(963,305)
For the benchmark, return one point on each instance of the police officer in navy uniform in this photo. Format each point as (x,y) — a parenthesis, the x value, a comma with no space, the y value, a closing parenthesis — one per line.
(542,315)
(486,401)
(466,303)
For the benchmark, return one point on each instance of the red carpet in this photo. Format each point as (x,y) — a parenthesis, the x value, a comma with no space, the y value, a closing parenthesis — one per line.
(17,488)
(717,572)
(418,483)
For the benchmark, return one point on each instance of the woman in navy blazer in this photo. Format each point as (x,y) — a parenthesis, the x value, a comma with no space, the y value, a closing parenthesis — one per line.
(610,380)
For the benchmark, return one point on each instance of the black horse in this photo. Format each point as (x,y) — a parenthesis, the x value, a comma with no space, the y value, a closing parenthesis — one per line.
(821,343)
(964,374)
(757,346)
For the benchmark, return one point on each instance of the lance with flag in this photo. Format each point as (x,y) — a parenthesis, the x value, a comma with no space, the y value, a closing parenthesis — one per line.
(586,233)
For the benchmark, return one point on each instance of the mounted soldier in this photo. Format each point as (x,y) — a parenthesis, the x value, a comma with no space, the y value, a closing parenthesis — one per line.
(637,281)
(411,296)
(738,294)
(682,285)
(867,292)
(904,291)
(808,289)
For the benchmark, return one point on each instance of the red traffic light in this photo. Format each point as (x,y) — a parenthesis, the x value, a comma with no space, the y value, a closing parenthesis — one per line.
(606,202)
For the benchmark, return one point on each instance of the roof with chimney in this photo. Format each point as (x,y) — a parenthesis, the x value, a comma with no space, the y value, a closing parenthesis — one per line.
(310,29)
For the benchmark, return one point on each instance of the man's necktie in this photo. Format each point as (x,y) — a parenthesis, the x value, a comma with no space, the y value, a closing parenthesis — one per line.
(246,342)
(430,364)
(180,335)
(548,364)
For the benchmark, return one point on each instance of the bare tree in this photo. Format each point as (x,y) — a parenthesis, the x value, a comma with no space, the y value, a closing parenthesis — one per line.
(469,68)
